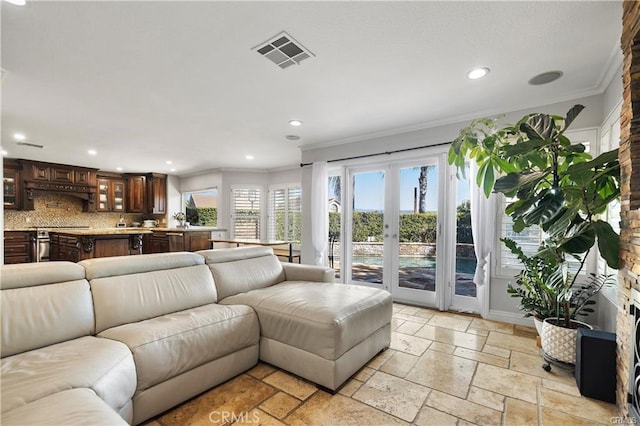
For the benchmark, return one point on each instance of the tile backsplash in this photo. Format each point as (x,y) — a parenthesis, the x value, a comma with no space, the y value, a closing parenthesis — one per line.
(64,210)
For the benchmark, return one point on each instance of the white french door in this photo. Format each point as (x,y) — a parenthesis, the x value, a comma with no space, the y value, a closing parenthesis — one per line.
(401,232)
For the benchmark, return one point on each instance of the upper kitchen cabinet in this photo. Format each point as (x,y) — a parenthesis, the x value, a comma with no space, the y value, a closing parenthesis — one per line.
(147,193)
(11,186)
(59,178)
(111,194)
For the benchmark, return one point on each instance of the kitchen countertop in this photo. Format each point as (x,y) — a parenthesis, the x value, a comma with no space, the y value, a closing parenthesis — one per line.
(110,231)
(189,229)
(102,231)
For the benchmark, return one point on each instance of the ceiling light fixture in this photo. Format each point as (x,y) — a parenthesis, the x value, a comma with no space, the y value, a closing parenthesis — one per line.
(4,153)
(295,123)
(249,157)
(17,2)
(119,169)
(19,137)
(92,152)
(477,73)
(169,162)
(173,170)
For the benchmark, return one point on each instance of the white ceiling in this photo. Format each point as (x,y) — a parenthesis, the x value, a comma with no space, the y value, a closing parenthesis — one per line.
(147,82)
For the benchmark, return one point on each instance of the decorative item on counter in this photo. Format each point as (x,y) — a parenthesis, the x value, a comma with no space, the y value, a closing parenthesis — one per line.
(181,218)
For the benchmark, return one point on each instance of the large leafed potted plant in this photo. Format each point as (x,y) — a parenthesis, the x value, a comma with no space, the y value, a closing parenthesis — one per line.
(558,186)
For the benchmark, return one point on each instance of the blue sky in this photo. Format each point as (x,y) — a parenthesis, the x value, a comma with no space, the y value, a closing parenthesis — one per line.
(369,190)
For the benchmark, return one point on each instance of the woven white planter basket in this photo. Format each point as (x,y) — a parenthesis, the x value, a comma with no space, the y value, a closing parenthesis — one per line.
(559,343)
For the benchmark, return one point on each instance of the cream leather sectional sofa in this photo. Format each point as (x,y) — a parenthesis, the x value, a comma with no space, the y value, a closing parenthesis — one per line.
(120,340)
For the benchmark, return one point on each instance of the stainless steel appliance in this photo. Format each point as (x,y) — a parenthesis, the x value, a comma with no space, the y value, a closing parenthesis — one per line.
(43,241)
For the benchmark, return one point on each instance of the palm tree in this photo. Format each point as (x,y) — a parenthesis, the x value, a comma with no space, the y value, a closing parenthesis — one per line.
(422,189)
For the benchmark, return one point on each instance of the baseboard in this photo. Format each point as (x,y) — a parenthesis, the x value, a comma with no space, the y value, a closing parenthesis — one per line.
(509,317)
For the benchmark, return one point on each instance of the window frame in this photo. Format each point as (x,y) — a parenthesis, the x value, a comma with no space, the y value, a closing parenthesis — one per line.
(287,187)
(589,137)
(261,209)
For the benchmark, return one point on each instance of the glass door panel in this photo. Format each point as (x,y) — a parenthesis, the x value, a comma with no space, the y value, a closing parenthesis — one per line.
(465,254)
(367,222)
(335,223)
(415,243)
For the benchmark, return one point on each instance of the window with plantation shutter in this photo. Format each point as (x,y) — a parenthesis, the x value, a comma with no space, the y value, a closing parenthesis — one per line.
(285,212)
(245,213)
(530,238)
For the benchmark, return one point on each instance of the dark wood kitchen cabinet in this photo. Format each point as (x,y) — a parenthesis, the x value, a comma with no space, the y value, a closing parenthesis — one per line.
(111,195)
(11,186)
(19,246)
(147,193)
(77,245)
(179,240)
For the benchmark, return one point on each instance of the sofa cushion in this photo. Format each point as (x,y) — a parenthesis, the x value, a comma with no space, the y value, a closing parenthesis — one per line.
(35,314)
(102,365)
(34,274)
(123,299)
(169,345)
(113,266)
(322,318)
(238,270)
(70,407)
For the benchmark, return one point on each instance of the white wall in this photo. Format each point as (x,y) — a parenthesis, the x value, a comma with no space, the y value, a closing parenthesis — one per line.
(173,198)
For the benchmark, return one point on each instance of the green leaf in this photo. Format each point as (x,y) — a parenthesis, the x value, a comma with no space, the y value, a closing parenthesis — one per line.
(572,114)
(539,126)
(524,147)
(561,224)
(547,208)
(580,239)
(518,225)
(514,181)
(608,243)
(489,181)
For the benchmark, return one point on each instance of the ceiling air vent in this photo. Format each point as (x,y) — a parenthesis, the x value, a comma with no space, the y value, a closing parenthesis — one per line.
(283,50)
(31,145)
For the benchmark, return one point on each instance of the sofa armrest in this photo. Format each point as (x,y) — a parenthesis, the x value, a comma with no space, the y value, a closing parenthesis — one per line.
(297,272)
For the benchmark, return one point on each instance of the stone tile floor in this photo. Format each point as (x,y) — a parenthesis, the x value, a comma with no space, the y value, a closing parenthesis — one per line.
(442,368)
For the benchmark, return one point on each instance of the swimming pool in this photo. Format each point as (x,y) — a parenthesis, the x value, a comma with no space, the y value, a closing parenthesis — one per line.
(463,265)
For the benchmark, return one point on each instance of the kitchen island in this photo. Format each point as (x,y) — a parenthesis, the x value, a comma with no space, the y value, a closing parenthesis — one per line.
(181,239)
(79,244)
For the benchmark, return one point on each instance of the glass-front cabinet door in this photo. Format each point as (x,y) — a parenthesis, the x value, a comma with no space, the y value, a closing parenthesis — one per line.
(10,189)
(118,196)
(111,195)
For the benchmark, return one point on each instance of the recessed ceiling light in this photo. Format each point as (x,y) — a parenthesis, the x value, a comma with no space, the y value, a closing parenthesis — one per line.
(169,162)
(295,123)
(477,73)
(17,2)
(545,77)
(173,170)
(92,152)
(4,153)
(249,157)
(19,137)
(119,169)
(293,137)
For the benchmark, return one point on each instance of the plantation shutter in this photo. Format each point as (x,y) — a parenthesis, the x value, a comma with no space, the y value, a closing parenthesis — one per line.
(277,213)
(285,213)
(245,214)
(294,213)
